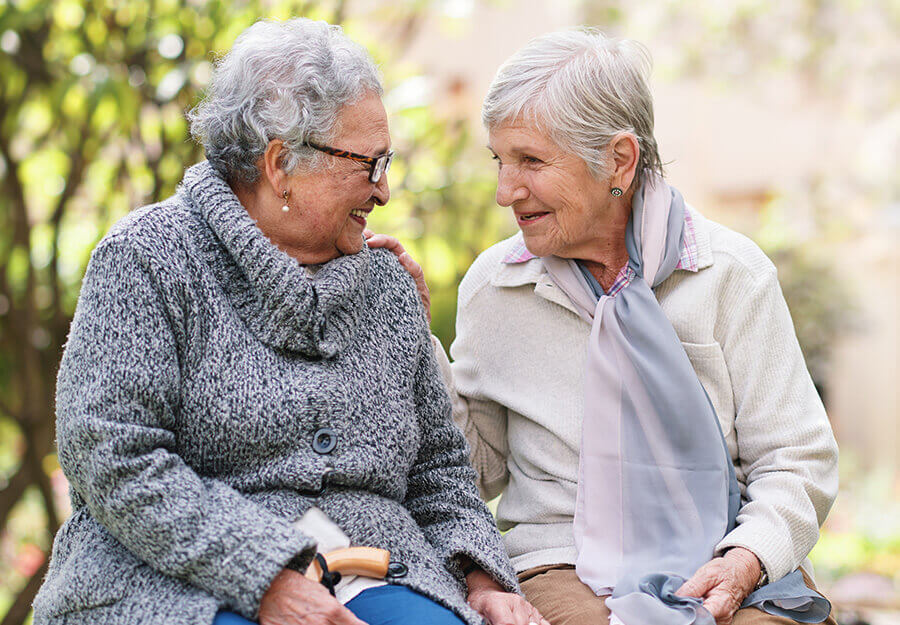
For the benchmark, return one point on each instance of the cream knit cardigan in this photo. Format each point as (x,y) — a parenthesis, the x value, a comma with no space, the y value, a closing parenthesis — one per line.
(517,376)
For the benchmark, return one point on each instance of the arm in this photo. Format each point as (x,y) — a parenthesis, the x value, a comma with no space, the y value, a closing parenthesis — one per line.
(483,422)
(786,448)
(441,493)
(117,412)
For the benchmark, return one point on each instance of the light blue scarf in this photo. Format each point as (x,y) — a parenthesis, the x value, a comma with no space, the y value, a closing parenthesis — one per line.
(657,489)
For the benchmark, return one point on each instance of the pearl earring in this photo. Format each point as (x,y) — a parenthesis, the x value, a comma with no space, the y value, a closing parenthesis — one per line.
(285,208)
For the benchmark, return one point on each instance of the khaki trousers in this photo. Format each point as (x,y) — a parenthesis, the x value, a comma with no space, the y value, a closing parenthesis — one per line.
(563,599)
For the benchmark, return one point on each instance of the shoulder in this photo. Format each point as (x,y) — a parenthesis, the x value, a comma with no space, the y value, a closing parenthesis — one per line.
(485,267)
(385,262)
(390,281)
(735,257)
(155,231)
(151,243)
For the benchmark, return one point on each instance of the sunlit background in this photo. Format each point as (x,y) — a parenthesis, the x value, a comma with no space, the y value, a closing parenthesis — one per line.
(780,119)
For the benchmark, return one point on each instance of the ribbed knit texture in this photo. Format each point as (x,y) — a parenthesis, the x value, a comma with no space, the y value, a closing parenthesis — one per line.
(519,360)
(200,364)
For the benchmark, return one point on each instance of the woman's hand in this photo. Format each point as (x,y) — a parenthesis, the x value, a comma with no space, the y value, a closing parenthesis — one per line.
(391,243)
(497,606)
(292,599)
(723,583)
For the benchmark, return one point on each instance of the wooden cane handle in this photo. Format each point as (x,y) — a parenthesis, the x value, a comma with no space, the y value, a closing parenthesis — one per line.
(367,561)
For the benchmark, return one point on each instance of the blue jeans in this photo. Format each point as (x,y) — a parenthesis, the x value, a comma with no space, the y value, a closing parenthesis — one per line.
(382,605)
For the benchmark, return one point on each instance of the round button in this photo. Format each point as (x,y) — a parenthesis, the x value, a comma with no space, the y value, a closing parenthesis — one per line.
(324,441)
(396,569)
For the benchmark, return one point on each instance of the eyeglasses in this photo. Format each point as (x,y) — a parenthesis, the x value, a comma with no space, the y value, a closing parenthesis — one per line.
(378,165)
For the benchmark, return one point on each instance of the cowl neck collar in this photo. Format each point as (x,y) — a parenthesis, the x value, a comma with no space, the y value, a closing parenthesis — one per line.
(279,301)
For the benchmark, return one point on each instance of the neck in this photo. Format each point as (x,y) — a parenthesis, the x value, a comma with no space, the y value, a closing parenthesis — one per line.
(607,269)
(607,254)
(268,217)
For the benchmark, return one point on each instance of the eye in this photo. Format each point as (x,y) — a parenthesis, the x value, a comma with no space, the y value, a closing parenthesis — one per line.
(531,160)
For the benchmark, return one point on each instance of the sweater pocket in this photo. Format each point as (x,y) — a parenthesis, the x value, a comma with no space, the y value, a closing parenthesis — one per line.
(709,364)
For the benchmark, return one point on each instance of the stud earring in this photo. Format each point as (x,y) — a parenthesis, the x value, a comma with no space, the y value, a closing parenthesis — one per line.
(285,208)
(616,192)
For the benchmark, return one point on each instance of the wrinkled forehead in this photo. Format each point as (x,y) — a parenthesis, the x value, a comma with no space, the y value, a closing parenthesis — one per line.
(363,127)
(522,134)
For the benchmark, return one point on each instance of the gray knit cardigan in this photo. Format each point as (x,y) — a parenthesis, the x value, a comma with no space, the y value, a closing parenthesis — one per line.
(202,365)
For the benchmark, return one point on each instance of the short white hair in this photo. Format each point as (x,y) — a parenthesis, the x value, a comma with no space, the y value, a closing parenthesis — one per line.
(281,80)
(582,88)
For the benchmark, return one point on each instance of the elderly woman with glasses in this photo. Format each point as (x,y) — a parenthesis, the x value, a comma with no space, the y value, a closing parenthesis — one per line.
(626,370)
(239,357)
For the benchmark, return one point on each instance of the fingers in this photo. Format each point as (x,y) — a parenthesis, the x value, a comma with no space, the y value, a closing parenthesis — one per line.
(526,614)
(720,608)
(698,585)
(409,263)
(394,245)
(537,619)
(385,241)
(350,619)
(339,615)
(406,261)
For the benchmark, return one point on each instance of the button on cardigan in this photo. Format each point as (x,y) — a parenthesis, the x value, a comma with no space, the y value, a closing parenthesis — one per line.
(201,363)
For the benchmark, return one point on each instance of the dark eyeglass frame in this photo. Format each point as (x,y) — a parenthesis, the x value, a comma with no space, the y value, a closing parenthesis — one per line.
(378,165)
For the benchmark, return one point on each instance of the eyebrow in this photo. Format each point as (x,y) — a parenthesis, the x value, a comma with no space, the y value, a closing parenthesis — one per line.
(517,150)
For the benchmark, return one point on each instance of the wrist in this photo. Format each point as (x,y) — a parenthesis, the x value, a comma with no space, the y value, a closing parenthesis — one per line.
(750,564)
(478,581)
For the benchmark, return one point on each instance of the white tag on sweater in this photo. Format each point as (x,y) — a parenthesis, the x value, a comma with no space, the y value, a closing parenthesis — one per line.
(329,537)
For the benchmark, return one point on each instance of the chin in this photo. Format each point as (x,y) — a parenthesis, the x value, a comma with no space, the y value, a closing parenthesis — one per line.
(351,246)
(538,245)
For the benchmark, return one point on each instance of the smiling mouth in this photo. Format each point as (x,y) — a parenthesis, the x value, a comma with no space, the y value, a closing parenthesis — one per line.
(359,215)
(529,217)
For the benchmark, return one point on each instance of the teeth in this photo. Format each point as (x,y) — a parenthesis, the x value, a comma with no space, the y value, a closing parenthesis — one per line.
(530,217)
(358,213)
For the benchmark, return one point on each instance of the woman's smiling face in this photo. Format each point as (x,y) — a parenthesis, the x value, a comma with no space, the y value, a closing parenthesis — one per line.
(558,203)
(327,206)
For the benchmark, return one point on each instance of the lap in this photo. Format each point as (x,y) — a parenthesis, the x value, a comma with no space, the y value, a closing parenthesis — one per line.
(398,605)
(755,616)
(230,618)
(382,605)
(563,599)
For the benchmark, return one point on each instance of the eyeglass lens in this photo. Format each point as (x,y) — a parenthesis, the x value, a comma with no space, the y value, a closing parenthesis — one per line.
(382,166)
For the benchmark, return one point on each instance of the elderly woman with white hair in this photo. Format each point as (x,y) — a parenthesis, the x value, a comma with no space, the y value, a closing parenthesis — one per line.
(239,357)
(626,370)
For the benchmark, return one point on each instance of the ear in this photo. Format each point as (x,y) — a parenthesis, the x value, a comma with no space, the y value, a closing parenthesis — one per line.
(625,152)
(273,174)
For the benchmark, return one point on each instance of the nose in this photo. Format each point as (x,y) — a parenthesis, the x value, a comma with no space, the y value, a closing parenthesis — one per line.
(509,187)
(382,192)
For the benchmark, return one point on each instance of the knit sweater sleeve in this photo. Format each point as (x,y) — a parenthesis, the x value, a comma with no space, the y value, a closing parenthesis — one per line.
(441,493)
(786,448)
(117,408)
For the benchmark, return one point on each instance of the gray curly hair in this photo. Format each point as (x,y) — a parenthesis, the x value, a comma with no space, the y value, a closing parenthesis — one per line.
(281,80)
(582,88)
